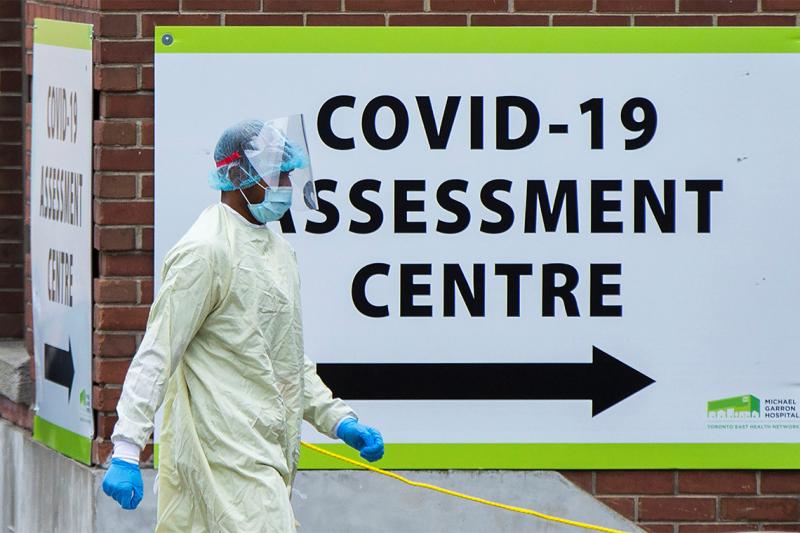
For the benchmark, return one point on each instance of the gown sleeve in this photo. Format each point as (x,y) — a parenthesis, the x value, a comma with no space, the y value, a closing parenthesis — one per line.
(188,294)
(320,408)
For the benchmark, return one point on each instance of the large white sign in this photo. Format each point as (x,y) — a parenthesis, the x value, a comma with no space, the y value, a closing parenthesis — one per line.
(61,235)
(583,259)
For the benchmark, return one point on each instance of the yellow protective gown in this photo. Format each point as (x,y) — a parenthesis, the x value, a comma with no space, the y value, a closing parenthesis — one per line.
(224,342)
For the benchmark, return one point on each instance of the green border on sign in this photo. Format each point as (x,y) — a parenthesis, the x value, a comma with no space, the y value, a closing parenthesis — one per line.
(473,40)
(62,33)
(62,440)
(639,456)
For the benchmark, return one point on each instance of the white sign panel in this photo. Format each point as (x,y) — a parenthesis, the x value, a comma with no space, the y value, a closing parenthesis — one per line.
(61,235)
(582,259)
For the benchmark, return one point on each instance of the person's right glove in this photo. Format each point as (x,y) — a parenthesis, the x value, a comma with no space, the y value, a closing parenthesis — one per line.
(363,438)
(123,482)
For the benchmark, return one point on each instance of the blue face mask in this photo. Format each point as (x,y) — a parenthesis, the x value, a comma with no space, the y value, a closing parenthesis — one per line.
(277,200)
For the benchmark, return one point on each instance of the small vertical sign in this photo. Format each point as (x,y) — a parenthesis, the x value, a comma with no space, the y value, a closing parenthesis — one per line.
(61,235)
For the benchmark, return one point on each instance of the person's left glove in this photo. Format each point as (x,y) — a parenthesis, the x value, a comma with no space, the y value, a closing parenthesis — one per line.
(123,482)
(365,439)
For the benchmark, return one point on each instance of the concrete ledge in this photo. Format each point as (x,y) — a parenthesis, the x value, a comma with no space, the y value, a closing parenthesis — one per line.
(364,502)
(15,377)
(42,490)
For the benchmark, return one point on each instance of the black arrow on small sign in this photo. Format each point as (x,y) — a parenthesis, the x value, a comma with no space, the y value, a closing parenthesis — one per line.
(58,366)
(605,381)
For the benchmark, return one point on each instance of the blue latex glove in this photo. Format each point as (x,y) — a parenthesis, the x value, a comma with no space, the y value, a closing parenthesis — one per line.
(363,438)
(123,482)
(294,157)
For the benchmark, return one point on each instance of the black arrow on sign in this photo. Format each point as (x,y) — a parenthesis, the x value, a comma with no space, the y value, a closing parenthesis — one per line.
(605,381)
(58,366)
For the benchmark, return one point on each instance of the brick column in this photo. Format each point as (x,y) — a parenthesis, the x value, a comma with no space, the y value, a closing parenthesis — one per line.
(12,293)
(11,212)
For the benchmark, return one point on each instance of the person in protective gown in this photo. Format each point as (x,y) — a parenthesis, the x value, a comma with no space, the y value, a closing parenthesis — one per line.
(223,351)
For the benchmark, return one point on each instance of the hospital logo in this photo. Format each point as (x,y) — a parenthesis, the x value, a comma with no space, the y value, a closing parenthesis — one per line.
(747,406)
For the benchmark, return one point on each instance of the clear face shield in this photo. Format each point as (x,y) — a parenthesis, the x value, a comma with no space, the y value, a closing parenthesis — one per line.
(279,154)
(268,154)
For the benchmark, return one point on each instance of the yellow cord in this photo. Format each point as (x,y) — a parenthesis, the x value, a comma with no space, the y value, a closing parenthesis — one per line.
(458,494)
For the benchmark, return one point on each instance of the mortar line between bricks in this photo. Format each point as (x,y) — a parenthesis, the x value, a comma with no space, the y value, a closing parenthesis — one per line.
(138,242)
(124,278)
(121,40)
(109,173)
(123,120)
(779,496)
(122,201)
(115,66)
(114,305)
(117,226)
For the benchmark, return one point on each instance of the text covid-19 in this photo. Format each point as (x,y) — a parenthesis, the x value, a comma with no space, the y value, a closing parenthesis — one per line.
(497,206)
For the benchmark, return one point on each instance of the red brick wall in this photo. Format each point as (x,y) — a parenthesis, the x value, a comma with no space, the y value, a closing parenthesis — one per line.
(11,223)
(693,501)
(12,236)
(123,209)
